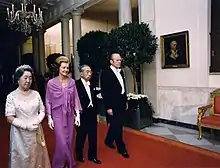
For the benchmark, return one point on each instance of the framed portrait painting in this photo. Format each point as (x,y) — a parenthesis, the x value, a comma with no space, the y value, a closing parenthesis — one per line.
(175,50)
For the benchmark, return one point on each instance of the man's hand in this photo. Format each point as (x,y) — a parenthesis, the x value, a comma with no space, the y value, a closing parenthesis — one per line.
(77,118)
(109,111)
(126,108)
(97,118)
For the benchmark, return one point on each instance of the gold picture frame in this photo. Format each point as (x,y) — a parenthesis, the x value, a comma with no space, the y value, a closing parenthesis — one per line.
(175,50)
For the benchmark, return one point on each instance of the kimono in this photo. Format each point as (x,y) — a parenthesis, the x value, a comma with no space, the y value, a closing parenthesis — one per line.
(61,103)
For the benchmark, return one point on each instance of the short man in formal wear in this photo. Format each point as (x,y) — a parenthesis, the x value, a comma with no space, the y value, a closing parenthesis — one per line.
(88,117)
(115,101)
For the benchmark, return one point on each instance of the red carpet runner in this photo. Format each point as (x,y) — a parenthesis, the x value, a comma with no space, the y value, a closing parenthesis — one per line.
(146,151)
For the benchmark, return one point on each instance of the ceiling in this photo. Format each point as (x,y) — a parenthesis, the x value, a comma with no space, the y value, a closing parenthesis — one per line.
(109,6)
(104,6)
(43,4)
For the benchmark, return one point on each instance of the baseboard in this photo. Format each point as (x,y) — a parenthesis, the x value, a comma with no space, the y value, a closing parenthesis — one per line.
(180,124)
(170,122)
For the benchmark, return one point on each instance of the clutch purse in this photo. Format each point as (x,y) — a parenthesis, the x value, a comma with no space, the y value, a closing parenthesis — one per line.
(40,136)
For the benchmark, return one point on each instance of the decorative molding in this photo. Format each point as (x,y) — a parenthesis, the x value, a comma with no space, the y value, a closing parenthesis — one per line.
(78,12)
(188,88)
(64,19)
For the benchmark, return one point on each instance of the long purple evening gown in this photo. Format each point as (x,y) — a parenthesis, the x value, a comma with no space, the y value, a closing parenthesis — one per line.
(61,103)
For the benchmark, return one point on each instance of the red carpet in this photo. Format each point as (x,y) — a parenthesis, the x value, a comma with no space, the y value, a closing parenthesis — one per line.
(146,151)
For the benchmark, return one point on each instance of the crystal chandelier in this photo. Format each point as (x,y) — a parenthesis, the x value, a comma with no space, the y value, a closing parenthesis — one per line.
(23,20)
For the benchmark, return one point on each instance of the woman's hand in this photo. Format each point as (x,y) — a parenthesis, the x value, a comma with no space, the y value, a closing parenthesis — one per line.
(32,127)
(50,122)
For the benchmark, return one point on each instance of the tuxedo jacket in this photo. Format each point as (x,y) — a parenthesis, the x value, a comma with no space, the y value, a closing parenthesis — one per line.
(84,98)
(111,90)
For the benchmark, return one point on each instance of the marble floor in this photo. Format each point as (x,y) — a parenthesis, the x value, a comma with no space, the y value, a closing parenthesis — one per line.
(185,135)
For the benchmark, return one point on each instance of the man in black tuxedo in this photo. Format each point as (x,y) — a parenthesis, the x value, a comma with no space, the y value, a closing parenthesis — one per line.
(115,100)
(88,118)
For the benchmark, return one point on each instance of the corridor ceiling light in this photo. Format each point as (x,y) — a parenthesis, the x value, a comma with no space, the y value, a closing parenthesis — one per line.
(23,20)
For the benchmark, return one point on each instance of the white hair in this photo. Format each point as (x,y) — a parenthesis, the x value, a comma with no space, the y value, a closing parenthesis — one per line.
(22,67)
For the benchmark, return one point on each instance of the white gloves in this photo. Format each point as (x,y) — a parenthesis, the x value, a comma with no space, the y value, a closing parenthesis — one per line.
(40,117)
(77,118)
(50,122)
(19,123)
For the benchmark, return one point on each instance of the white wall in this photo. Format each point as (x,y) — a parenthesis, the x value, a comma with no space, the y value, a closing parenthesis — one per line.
(181,91)
(175,16)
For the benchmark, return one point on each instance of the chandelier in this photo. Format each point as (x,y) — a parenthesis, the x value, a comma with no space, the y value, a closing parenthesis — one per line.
(23,20)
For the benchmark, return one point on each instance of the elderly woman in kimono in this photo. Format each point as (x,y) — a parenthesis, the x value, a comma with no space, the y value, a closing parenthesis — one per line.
(63,109)
(25,111)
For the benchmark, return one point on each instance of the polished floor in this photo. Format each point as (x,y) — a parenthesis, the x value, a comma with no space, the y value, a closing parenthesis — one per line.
(185,135)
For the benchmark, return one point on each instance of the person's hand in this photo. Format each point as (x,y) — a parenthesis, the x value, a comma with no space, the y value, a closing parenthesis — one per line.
(97,118)
(50,122)
(110,112)
(77,119)
(126,108)
(32,127)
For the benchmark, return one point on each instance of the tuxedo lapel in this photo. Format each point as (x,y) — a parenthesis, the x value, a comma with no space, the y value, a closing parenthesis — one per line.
(92,93)
(114,77)
(123,77)
(83,90)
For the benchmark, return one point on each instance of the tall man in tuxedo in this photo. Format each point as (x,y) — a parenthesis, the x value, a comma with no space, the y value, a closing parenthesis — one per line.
(115,100)
(88,118)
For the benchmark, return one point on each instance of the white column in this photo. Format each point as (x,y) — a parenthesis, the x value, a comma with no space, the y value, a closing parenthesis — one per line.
(124,11)
(125,16)
(65,35)
(149,71)
(35,48)
(41,47)
(76,28)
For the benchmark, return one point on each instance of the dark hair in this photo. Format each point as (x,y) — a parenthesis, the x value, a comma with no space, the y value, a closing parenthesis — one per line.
(20,71)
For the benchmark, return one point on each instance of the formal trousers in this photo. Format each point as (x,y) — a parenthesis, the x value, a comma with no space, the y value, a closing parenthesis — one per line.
(88,126)
(115,131)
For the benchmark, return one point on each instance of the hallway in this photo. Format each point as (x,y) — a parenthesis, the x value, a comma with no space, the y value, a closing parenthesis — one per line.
(146,150)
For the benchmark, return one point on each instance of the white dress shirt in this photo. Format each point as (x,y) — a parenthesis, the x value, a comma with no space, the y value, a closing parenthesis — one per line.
(119,77)
(88,91)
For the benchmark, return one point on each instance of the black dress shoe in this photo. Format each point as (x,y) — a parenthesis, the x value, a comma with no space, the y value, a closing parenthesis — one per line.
(110,145)
(96,161)
(80,159)
(125,155)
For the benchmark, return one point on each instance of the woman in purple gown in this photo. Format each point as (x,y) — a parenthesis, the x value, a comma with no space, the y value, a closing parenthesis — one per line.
(63,110)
